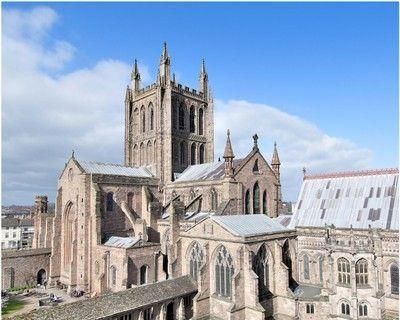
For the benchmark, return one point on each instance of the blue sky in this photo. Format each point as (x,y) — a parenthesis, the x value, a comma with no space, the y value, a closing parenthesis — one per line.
(331,66)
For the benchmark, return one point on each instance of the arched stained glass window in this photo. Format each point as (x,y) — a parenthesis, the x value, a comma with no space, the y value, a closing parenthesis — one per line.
(256,198)
(345,308)
(151,117)
(362,272)
(260,267)
(143,119)
(223,273)
(196,258)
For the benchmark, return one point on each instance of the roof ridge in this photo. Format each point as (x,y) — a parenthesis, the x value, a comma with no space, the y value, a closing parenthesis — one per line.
(355,173)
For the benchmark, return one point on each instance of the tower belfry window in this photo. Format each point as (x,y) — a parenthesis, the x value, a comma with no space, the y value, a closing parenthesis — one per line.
(201,121)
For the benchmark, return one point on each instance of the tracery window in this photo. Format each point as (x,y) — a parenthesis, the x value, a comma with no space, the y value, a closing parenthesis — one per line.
(256,198)
(260,267)
(196,258)
(363,309)
(362,272)
(181,118)
(223,273)
(394,279)
(345,308)
(201,121)
(343,266)
(306,267)
(247,202)
(109,201)
(192,118)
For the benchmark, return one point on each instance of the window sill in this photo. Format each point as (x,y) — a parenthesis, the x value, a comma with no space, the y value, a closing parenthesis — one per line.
(365,286)
(343,285)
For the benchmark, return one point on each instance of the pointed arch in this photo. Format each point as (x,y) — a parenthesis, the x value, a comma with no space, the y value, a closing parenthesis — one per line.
(247,202)
(261,268)
(255,166)
(135,155)
(192,119)
(68,234)
(224,270)
(344,306)
(256,198)
(201,121)
(195,258)
(151,116)
(343,266)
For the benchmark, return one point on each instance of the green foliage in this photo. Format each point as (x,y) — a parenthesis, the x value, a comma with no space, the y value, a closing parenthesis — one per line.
(12,306)
(29,286)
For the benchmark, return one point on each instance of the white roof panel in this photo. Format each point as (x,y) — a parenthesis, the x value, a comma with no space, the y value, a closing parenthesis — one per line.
(249,224)
(358,199)
(122,242)
(114,169)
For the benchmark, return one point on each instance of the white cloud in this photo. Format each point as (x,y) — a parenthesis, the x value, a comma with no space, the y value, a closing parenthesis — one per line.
(300,143)
(46,116)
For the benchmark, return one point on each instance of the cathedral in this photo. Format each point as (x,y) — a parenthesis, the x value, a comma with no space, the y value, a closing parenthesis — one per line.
(175,234)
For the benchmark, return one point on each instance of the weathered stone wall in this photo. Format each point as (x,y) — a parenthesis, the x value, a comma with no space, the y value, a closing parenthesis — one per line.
(20,268)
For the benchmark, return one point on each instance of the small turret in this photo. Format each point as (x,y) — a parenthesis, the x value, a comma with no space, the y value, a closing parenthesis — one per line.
(228,156)
(203,80)
(164,69)
(135,77)
(275,163)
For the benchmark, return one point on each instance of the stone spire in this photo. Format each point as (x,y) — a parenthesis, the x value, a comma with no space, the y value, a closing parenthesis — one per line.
(203,80)
(228,156)
(275,163)
(135,77)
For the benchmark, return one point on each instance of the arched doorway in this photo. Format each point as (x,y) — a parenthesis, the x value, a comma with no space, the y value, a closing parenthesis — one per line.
(170,311)
(41,277)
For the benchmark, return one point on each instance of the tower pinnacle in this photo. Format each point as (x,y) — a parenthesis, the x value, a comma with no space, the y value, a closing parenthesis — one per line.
(203,80)
(228,156)
(275,156)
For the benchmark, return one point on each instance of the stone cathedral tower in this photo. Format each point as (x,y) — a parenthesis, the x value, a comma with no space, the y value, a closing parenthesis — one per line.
(168,126)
